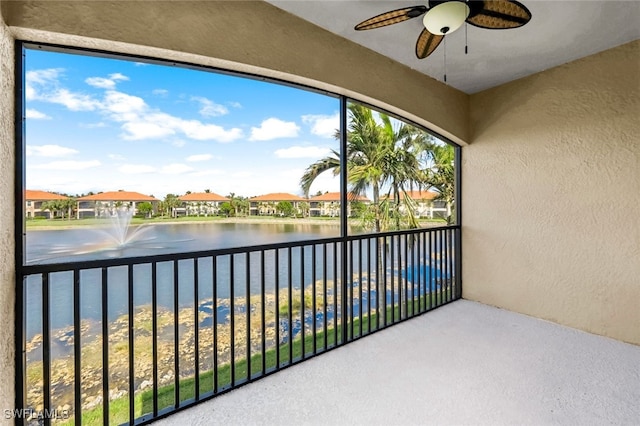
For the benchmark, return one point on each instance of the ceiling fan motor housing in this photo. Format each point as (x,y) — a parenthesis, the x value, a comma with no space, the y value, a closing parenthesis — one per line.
(444,17)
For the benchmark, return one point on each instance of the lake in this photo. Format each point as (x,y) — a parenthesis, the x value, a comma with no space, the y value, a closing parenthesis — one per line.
(76,244)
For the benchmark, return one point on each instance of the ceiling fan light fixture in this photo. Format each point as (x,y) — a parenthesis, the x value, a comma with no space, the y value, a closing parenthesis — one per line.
(446,17)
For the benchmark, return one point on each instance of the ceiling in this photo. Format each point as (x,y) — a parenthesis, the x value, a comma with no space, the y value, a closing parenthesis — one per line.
(559,32)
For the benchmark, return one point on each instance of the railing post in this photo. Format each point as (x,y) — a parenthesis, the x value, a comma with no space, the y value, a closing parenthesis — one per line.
(343,215)
(458,231)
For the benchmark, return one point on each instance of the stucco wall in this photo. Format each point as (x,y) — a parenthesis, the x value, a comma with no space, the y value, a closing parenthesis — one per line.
(551,195)
(7,270)
(248,36)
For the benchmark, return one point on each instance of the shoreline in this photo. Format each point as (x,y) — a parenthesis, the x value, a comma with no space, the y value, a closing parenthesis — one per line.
(259,220)
(96,223)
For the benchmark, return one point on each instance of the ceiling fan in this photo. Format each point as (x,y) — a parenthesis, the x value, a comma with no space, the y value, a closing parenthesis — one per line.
(442,17)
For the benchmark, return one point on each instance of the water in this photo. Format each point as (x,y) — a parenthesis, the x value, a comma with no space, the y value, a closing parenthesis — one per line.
(83,244)
(77,244)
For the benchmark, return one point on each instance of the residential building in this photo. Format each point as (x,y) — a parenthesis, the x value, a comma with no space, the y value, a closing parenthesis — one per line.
(105,204)
(266,205)
(200,204)
(425,204)
(328,204)
(34,200)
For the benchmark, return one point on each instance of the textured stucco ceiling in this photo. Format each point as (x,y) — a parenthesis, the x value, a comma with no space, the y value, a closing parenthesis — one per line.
(559,32)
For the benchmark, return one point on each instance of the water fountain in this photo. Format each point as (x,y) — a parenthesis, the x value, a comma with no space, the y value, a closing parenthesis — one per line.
(120,231)
(118,237)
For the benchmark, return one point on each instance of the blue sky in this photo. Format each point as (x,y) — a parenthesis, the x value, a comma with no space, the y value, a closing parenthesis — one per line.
(96,124)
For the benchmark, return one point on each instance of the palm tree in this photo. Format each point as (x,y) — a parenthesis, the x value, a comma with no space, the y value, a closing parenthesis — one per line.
(171,202)
(50,206)
(440,175)
(379,154)
(384,154)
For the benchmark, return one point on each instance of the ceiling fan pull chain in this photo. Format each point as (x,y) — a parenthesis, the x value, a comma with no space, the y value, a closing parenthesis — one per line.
(445,58)
(466,44)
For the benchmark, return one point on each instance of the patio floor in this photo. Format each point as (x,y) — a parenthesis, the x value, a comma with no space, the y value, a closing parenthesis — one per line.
(464,363)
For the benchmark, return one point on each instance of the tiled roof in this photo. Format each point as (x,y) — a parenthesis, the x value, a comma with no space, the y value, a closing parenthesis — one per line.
(417,195)
(277,196)
(203,196)
(422,195)
(118,196)
(30,194)
(335,196)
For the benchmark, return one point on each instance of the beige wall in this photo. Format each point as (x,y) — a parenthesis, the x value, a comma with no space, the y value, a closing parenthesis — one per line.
(551,195)
(251,36)
(7,270)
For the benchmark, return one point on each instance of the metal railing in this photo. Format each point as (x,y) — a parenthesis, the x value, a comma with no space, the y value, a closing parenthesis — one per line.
(130,340)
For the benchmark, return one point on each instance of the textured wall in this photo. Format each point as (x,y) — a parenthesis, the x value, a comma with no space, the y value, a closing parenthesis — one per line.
(551,195)
(252,33)
(7,270)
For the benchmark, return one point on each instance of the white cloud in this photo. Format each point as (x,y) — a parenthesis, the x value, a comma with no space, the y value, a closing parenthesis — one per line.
(106,83)
(160,92)
(242,174)
(42,85)
(302,152)
(178,143)
(101,82)
(68,165)
(49,151)
(136,169)
(273,128)
(118,77)
(234,104)
(116,157)
(323,125)
(199,157)
(123,107)
(92,125)
(139,120)
(73,101)
(36,115)
(209,108)
(196,130)
(145,130)
(176,169)
(207,173)
(142,122)
(36,78)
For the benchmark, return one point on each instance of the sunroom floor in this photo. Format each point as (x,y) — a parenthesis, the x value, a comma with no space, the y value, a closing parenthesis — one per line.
(464,363)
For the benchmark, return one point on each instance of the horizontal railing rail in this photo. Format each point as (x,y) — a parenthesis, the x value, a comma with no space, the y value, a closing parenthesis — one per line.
(130,340)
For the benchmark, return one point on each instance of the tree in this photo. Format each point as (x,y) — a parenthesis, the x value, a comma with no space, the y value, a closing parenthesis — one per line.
(380,154)
(358,208)
(145,208)
(233,201)
(440,175)
(243,205)
(226,209)
(171,202)
(51,206)
(285,208)
(304,208)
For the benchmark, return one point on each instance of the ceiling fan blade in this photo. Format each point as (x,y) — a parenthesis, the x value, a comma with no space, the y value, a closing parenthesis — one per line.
(499,15)
(391,17)
(427,43)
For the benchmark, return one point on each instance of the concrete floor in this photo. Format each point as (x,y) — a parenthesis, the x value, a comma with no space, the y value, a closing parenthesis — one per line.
(465,363)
